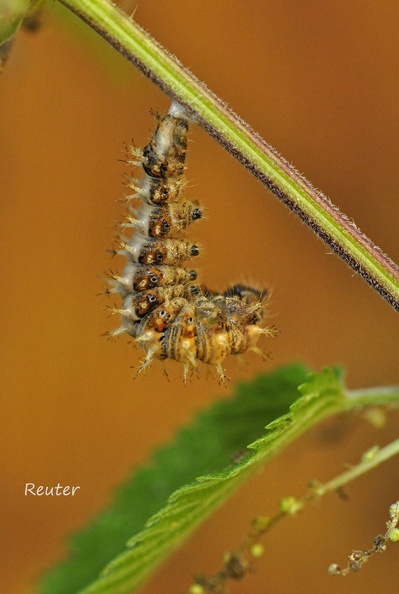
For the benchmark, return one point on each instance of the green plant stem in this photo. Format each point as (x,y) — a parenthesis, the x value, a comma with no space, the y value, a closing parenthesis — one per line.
(370,460)
(290,506)
(206,109)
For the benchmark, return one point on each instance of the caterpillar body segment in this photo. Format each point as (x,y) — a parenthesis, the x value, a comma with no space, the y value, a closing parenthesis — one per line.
(156,191)
(165,154)
(139,277)
(164,221)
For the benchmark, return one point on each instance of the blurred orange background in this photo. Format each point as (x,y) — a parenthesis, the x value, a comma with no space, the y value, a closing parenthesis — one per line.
(319,81)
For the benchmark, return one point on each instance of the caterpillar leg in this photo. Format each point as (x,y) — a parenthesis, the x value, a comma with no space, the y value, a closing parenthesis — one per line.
(189,365)
(147,361)
(262,353)
(271,331)
(150,346)
(186,372)
(242,363)
(164,370)
(223,378)
(115,333)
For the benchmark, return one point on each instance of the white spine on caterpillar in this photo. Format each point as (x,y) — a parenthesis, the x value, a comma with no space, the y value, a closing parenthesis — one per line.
(168,315)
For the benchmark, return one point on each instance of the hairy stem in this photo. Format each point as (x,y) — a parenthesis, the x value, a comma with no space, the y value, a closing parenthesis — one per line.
(206,109)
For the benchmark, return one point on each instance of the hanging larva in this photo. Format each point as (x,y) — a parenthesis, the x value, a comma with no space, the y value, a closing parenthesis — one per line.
(169,314)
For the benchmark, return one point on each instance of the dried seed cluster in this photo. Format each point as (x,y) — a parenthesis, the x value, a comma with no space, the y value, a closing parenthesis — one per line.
(169,314)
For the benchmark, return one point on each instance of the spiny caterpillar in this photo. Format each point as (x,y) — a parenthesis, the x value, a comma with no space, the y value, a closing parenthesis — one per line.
(169,315)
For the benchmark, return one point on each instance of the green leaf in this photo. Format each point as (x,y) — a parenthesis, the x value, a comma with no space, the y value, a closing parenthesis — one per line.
(210,445)
(12,13)
(205,448)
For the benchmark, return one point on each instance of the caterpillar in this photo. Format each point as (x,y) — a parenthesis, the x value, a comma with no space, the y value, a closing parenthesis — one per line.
(167,312)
